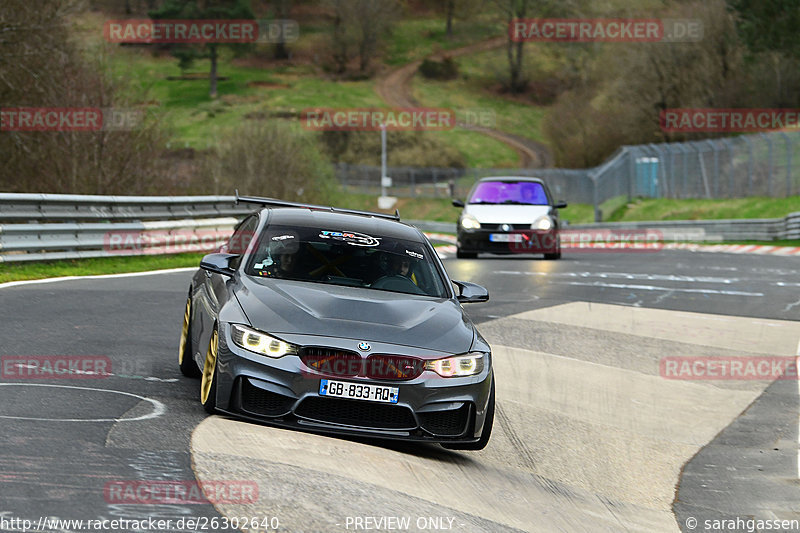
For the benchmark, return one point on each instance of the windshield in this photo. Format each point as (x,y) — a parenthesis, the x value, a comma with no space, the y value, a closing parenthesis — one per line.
(341,257)
(509,192)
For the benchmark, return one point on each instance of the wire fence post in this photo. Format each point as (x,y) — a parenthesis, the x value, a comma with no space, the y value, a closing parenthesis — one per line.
(631,171)
(769,163)
(729,144)
(750,162)
(715,152)
(788,163)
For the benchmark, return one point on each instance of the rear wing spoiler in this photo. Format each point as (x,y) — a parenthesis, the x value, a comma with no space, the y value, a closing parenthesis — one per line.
(274,202)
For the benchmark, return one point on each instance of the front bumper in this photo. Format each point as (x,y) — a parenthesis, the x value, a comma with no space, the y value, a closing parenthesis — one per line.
(284,392)
(514,242)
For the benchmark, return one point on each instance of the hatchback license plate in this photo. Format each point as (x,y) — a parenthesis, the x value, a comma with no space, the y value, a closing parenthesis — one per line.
(505,237)
(358,391)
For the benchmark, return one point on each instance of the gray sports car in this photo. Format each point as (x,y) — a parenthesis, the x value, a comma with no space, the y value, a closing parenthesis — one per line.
(338,321)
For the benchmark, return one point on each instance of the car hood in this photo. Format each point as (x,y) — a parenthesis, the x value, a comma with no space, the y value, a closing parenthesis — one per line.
(296,307)
(506,213)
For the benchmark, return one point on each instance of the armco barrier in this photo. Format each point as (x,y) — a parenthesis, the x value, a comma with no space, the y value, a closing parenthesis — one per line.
(760,229)
(37,227)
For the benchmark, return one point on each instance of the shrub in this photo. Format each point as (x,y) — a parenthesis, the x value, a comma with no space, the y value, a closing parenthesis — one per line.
(446,69)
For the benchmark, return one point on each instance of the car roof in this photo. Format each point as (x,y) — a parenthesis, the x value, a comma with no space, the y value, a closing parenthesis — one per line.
(299,217)
(511,178)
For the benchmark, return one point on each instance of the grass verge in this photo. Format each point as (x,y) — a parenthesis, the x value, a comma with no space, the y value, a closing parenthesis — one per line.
(701,209)
(95,266)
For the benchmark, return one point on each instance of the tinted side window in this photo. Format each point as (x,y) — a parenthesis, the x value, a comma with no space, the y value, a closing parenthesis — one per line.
(242,236)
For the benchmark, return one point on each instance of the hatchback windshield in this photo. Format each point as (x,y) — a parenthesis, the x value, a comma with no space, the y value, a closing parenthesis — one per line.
(341,257)
(509,192)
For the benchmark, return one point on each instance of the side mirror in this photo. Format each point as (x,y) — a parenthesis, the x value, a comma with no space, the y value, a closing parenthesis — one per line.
(458,203)
(218,263)
(471,293)
(561,204)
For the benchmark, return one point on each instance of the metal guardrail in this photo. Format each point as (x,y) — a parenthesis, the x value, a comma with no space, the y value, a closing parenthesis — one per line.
(38,227)
(760,229)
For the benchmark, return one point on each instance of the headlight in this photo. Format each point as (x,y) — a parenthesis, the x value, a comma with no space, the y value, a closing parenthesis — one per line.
(458,366)
(544,223)
(470,222)
(260,343)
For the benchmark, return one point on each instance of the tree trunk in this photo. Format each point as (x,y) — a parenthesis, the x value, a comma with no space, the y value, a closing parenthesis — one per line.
(514,51)
(451,7)
(212,76)
(280,51)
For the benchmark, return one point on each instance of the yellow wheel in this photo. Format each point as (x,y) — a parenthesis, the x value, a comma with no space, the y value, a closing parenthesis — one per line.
(208,387)
(185,353)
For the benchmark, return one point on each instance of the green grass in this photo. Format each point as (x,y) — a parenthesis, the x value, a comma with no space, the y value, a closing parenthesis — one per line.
(667,209)
(471,91)
(199,121)
(413,39)
(95,266)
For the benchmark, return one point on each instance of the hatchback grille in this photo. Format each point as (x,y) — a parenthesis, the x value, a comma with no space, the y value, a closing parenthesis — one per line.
(451,422)
(514,227)
(263,402)
(356,413)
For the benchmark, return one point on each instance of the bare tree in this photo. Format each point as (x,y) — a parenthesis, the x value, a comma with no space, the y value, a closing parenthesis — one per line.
(459,9)
(40,68)
(359,28)
(271,158)
(509,11)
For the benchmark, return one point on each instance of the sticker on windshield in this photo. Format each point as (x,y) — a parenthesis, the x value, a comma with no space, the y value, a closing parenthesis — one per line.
(415,255)
(355,239)
(283,242)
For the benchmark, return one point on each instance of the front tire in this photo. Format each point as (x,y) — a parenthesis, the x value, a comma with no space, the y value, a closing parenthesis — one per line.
(465,255)
(486,433)
(185,352)
(208,383)
(553,256)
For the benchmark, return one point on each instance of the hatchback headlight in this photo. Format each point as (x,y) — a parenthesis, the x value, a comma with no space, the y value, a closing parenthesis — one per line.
(470,222)
(543,223)
(260,343)
(458,366)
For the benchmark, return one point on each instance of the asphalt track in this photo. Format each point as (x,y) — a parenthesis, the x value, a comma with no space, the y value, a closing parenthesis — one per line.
(588,437)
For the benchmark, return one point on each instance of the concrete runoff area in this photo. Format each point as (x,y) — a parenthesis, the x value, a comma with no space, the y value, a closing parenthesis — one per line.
(582,441)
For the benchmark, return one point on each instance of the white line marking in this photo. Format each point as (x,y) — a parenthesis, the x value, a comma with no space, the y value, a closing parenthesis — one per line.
(656,288)
(623,275)
(99,276)
(158,407)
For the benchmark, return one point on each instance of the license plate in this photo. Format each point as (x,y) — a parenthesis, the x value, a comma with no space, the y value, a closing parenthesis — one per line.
(358,391)
(505,237)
